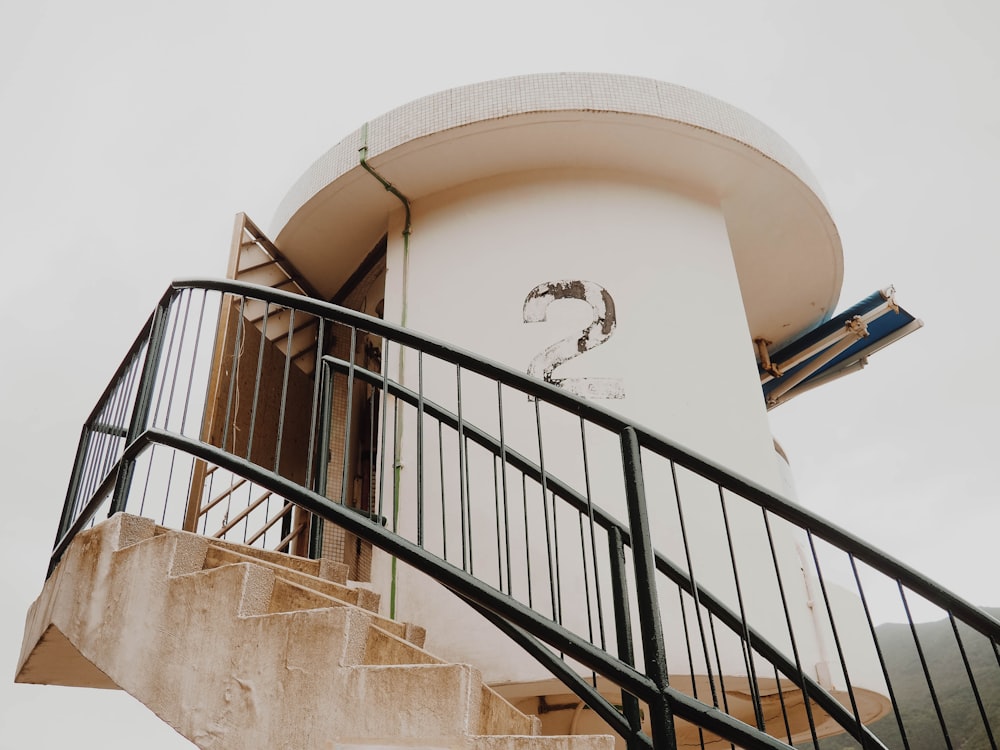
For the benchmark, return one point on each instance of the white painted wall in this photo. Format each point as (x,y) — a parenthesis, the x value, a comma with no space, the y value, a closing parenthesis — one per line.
(681,347)
(477,250)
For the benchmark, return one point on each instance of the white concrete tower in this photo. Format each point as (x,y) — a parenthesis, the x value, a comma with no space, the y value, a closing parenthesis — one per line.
(624,238)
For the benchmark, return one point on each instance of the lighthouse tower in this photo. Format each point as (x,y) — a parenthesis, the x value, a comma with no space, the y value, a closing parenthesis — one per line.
(634,243)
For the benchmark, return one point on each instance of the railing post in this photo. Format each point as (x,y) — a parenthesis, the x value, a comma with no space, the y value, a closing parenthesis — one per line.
(324,374)
(143,402)
(69,505)
(654,652)
(623,629)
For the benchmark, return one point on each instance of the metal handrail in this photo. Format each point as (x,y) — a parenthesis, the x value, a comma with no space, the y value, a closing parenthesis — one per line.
(726,478)
(118,433)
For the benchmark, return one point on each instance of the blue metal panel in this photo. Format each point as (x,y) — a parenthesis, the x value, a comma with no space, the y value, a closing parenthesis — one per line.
(879,329)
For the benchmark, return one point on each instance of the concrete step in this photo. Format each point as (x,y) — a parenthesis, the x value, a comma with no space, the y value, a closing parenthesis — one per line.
(297,590)
(497,715)
(429,702)
(230,553)
(325,569)
(388,647)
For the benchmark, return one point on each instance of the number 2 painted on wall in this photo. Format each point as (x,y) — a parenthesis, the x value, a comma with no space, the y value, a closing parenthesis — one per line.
(544,363)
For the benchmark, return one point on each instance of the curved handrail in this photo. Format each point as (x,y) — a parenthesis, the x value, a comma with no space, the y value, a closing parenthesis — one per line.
(766,498)
(117,433)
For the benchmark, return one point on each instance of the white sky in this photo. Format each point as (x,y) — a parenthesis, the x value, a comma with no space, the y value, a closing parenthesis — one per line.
(132,132)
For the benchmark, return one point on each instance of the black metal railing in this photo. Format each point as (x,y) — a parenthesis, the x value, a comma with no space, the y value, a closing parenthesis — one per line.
(686,606)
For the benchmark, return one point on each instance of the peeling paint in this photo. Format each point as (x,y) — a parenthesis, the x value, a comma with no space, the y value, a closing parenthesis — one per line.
(602,325)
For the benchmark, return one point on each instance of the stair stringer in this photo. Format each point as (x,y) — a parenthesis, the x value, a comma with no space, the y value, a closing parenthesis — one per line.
(200,648)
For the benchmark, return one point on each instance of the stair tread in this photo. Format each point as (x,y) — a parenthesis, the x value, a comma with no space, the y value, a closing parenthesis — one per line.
(497,714)
(293,562)
(219,555)
(384,647)
(303,591)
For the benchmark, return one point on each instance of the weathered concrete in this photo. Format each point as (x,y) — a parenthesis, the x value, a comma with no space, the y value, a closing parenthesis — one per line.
(235,651)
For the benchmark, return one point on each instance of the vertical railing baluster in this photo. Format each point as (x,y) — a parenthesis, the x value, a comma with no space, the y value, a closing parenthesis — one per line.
(462,458)
(468,500)
(396,471)
(623,630)
(527,534)
(833,629)
(246,521)
(784,708)
(187,295)
(558,559)
(315,404)
(70,503)
(420,447)
(315,541)
(553,598)
(194,359)
(972,681)
(496,517)
(345,458)
(806,701)
(503,479)
(718,666)
(166,362)
(397,462)
(925,667)
(143,400)
(209,401)
(110,423)
(234,371)
(326,382)
(256,380)
(879,653)
(586,579)
(195,349)
(208,493)
(374,407)
(690,654)
(150,455)
(384,415)
(283,403)
(91,466)
(593,538)
(694,582)
(444,504)
(746,645)
(653,650)
(118,411)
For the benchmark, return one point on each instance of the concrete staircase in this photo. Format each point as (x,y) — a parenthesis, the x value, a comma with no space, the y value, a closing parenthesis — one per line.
(239,648)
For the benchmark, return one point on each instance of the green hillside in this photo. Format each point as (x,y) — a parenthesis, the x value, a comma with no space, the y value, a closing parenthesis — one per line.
(951,684)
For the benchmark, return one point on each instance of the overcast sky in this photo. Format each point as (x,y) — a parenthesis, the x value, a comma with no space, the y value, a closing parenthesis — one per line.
(132,132)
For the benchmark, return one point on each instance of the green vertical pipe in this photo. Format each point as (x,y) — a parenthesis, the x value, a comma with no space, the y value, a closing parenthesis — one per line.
(398,421)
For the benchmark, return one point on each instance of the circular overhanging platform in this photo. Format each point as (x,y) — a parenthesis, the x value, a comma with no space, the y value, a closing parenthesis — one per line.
(785,245)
